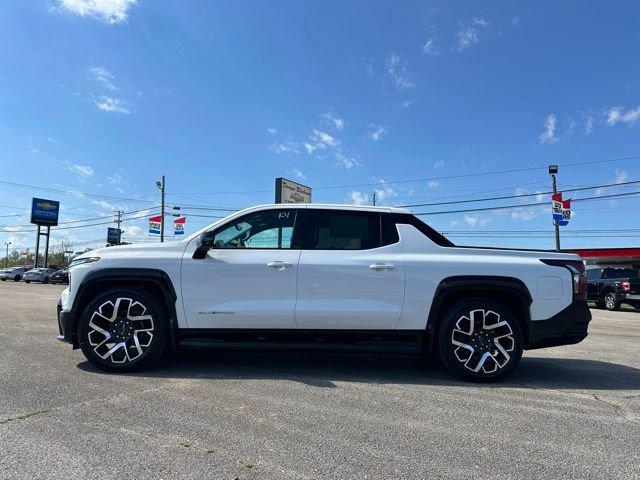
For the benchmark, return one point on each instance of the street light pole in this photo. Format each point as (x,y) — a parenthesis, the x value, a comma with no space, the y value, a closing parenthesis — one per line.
(6,258)
(160,185)
(553,171)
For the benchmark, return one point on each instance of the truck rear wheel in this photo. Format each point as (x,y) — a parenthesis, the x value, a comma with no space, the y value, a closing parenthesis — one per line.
(611,302)
(480,340)
(123,330)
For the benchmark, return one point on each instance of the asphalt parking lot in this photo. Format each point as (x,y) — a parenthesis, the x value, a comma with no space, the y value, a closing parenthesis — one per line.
(568,412)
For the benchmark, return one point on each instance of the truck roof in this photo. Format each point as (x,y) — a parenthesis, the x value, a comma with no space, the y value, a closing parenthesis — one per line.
(335,206)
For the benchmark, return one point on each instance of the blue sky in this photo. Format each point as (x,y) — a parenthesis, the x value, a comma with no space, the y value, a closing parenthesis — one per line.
(104,96)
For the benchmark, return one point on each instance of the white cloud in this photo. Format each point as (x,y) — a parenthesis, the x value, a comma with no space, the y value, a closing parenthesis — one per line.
(131,230)
(333,121)
(384,192)
(406,103)
(429,48)
(621,176)
(476,220)
(515,21)
(439,164)
(109,11)
(310,148)
(288,146)
(617,114)
(299,173)
(433,184)
(549,133)
(588,126)
(103,76)
(110,104)
(466,37)
(104,204)
(346,162)
(482,22)
(357,198)
(397,70)
(116,179)
(376,132)
(272,131)
(323,139)
(82,170)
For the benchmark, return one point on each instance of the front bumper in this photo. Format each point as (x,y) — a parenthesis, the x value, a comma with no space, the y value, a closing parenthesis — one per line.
(565,328)
(65,326)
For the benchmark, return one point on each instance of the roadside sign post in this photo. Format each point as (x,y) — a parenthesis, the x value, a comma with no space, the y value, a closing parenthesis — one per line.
(288,191)
(44,213)
(553,170)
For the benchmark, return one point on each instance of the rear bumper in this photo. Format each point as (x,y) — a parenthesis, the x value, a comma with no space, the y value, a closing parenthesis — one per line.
(65,325)
(631,296)
(565,328)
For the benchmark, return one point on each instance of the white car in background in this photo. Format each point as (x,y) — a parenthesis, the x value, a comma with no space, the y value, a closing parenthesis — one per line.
(12,273)
(42,275)
(323,277)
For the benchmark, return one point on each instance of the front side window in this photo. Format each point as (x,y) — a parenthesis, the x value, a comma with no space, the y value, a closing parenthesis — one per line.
(265,229)
(340,230)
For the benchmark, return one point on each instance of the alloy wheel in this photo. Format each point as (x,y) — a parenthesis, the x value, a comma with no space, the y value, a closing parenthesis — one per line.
(120,331)
(610,301)
(482,341)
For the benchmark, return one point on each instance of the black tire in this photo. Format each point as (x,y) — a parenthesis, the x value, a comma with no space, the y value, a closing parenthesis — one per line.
(16,278)
(46,280)
(3,279)
(128,357)
(611,302)
(27,281)
(485,354)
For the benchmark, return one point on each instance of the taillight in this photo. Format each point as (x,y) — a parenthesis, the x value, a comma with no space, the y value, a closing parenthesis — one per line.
(578,274)
(625,285)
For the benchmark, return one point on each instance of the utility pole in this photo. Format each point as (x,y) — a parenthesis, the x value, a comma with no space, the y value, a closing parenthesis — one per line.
(553,171)
(160,185)
(374,199)
(6,258)
(118,222)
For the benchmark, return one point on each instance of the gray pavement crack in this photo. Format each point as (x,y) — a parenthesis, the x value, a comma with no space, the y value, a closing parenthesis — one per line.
(22,416)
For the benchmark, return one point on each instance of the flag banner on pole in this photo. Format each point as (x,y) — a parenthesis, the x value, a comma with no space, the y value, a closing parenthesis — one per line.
(566,213)
(178,225)
(154,225)
(556,206)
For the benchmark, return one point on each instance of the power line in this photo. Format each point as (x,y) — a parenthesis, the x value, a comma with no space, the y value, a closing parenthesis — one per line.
(523,195)
(524,205)
(426,179)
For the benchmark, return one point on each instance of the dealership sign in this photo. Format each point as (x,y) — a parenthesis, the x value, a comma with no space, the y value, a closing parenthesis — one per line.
(178,225)
(561,209)
(44,212)
(155,224)
(113,236)
(291,192)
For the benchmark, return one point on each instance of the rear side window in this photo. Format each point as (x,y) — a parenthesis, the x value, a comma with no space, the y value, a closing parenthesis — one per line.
(593,274)
(339,230)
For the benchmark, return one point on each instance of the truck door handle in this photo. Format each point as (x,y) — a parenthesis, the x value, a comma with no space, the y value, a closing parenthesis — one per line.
(279,265)
(381,267)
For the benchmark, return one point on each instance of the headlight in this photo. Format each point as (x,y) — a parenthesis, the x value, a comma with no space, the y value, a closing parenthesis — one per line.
(80,261)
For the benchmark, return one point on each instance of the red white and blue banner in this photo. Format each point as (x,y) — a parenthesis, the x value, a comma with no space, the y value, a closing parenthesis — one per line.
(561,209)
(155,224)
(178,225)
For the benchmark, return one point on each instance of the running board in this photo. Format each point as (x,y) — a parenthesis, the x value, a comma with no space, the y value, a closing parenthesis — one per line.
(366,341)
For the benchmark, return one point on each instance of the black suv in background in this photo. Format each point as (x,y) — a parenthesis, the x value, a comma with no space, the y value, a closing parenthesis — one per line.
(611,286)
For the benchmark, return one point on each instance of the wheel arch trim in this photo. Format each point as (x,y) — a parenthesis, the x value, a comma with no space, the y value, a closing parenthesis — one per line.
(157,277)
(470,283)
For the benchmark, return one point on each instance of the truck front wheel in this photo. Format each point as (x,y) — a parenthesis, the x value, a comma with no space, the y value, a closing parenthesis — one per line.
(123,330)
(480,340)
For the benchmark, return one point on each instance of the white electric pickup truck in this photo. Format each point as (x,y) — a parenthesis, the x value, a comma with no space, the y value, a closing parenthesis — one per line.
(323,278)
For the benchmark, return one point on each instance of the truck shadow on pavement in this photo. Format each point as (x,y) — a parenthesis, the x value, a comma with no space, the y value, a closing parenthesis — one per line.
(323,370)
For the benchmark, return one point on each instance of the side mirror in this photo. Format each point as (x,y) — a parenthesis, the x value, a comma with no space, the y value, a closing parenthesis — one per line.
(205,243)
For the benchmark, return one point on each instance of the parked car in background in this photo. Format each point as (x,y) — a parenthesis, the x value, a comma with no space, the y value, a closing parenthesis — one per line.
(610,287)
(38,275)
(12,273)
(60,276)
